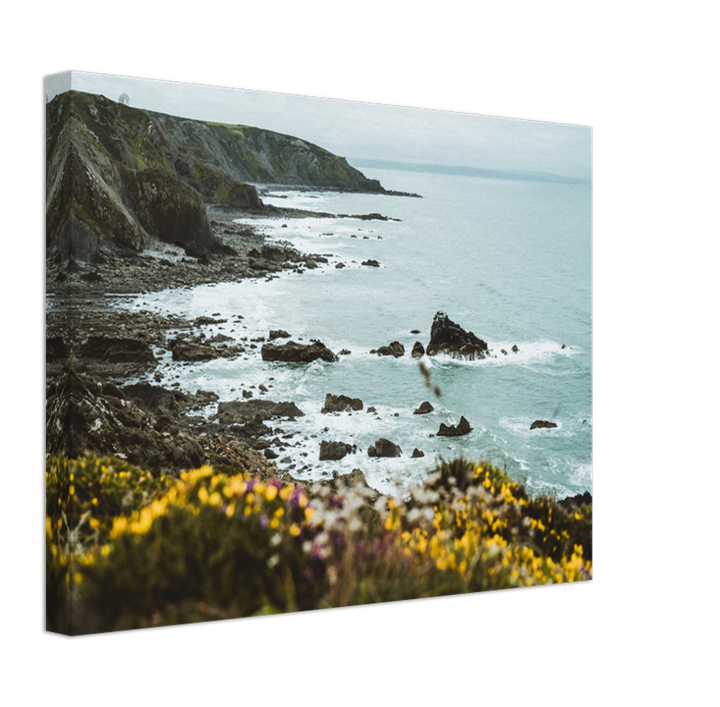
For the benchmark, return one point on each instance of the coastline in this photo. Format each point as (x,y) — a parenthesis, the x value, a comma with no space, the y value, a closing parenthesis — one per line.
(96,352)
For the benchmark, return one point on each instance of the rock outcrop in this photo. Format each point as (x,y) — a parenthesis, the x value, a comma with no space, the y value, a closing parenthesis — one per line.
(450,338)
(298,353)
(141,423)
(237,411)
(462,428)
(395,349)
(112,188)
(384,448)
(424,408)
(418,351)
(332,451)
(341,403)
(542,424)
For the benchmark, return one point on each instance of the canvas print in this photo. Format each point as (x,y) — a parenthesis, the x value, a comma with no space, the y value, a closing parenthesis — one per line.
(305,353)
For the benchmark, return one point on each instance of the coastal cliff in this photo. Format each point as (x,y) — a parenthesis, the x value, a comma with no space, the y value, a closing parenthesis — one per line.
(256,155)
(119,178)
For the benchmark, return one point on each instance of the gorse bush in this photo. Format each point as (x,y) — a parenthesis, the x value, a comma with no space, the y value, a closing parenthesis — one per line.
(146,550)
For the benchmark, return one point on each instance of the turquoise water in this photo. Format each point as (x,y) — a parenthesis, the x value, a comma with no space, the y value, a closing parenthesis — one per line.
(509,260)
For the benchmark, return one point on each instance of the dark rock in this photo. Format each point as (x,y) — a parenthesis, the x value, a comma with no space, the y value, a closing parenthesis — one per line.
(450,338)
(190,351)
(112,389)
(503,352)
(55,349)
(462,428)
(515,349)
(237,411)
(301,353)
(340,266)
(155,398)
(246,394)
(384,448)
(580,499)
(424,409)
(117,350)
(340,403)
(542,423)
(371,409)
(371,263)
(278,334)
(415,331)
(335,450)
(418,350)
(395,349)
(270,454)
(344,352)
(417,454)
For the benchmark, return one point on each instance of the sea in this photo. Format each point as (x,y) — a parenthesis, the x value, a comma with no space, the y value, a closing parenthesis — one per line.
(508,259)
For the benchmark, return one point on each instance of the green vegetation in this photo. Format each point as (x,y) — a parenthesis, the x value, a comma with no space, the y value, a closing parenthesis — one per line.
(126,549)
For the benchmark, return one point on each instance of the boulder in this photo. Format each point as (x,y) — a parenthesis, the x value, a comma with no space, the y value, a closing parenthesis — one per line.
(371,263)
(515,349)
(418,350)
(335,450)
(542,423)
(417,453)
(278,334)
(384,448)
(298,353)
(450,338)
(117,350)
(190,351)
(395,349)
(340,403)
(237,411)
(462,428)
(424,409)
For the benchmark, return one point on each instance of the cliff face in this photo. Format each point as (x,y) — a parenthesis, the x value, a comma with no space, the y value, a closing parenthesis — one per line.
(252,154)
(112,185)
(119,177)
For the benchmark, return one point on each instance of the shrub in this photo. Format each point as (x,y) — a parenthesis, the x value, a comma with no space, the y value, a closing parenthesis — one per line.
(232,546)
(126,549)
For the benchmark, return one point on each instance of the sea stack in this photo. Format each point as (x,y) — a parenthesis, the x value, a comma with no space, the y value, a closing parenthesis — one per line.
(450,338)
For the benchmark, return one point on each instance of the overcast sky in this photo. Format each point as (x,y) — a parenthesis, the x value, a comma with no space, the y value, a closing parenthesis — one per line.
(361,130)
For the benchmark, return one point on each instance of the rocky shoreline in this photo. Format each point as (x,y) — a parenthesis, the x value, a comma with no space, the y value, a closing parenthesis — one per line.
(95,352)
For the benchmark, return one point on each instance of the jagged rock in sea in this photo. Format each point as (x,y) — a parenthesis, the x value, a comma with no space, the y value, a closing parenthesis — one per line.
(236,411)
(450,338)
(424,408)
(417,454)
(299,353)
(278,334)
(462,428)
(335,450)
(384,448)
(395,349)
(418,350)
(542,423)
(341,403)
(371,263)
